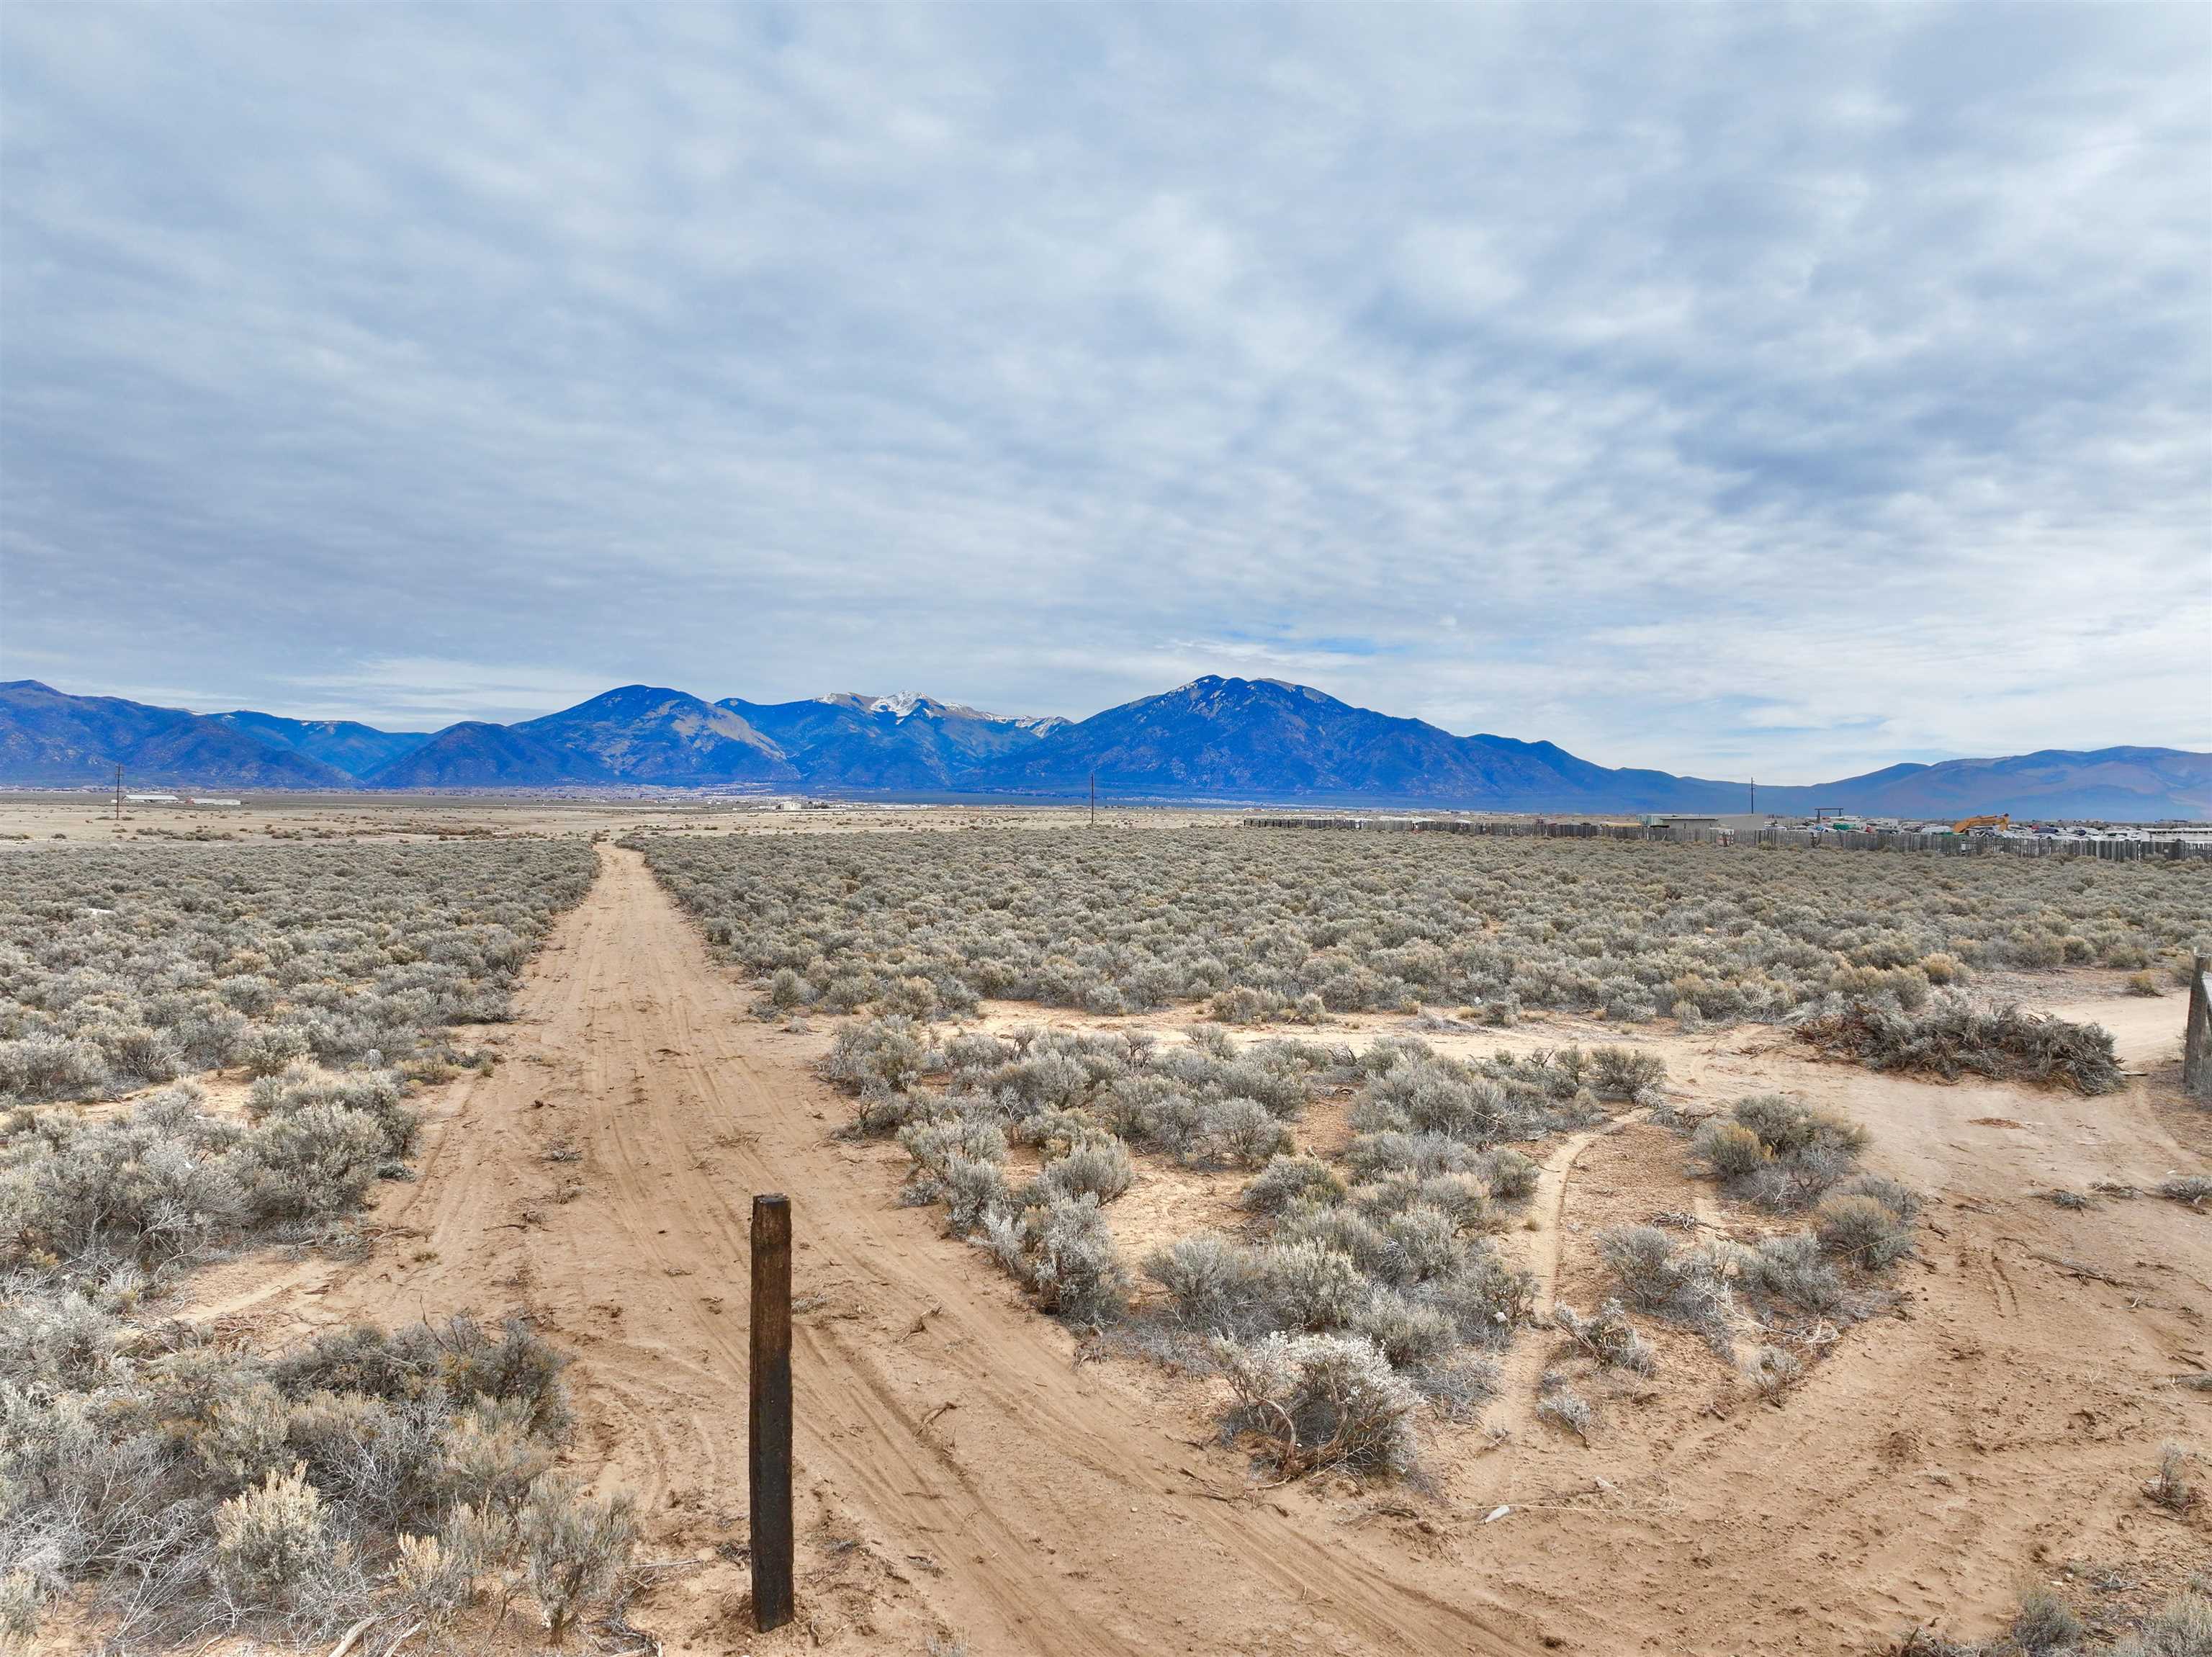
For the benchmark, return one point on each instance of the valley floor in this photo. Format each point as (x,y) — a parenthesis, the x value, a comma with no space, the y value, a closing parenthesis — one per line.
(967,1471)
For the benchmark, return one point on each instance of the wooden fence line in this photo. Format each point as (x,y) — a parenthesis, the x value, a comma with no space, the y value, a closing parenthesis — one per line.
(2197,1039)
(2103,847)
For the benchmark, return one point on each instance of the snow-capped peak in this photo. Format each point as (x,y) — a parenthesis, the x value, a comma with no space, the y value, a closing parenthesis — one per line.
(902,705)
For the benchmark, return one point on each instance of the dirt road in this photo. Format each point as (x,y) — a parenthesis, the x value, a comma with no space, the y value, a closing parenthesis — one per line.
(959,1473)
(962,1475)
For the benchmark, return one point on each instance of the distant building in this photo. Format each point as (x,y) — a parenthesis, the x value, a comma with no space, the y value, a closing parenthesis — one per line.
(149,798)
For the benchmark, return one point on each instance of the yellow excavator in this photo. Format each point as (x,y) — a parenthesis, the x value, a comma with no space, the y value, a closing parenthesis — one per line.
(1991,823)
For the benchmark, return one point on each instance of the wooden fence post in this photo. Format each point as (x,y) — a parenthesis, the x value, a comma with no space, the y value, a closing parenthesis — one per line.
(2196,1043)
(769,1435)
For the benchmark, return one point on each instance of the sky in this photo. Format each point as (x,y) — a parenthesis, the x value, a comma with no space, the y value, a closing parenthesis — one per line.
(1738,390)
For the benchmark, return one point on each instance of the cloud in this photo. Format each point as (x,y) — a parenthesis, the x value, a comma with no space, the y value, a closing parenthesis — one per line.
(428,694)
(1733,389)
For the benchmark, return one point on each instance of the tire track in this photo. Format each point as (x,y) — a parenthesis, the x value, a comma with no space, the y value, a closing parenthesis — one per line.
(1061,1520)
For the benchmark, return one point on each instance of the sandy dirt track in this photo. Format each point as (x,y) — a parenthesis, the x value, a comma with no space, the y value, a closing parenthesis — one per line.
(1048,1510)
(962,1471)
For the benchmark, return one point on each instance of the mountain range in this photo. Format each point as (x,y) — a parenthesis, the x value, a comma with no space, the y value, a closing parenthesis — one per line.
(1214,739)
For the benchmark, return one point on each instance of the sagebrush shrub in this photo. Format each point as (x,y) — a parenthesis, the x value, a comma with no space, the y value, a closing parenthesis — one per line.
(1424,1242)
(1098,1168)
(1558,1402)
(1488,1300)
(316,1161)
(1607,1336)
(1411,1335)
(577,1547)
(1309,1285)
(271,1540)
(1689,1285)
(433,1579)
(1787,1128)
(2172,1487)
(1462,1199)
(2182,1627)
(1793,1269)
(135,963)
(1730,1150)
(1065,1253)
(492,1458)
(2045,1623)
(1211,1281)
(1377,1155)
(1779,1153)
(1862,1230)
(374,1093)
(1320,1401)
(1898,1197)
(1512,1176)
(284,1486)
(1265,924)
(1288,1180)
(1624,1073)
(1774,1370)
(973,1191)
(1952,1037)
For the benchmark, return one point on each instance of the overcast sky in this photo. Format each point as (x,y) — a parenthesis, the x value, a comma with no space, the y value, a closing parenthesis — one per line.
(1733,389)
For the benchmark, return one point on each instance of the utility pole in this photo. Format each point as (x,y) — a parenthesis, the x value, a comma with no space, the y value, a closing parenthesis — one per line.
(119,791)
(1094,796)
(1754,796)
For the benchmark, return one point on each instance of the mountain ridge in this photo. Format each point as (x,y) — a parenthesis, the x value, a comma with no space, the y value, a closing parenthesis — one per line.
(1215,738)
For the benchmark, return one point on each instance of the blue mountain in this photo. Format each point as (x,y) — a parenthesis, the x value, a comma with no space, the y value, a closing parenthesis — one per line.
(353,748)
(49,738)
(1215,738)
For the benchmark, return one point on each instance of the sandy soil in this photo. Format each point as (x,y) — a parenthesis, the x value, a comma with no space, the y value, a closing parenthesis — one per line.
(966,1469)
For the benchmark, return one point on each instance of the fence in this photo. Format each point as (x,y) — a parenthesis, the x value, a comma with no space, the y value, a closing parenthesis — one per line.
(2196,1040)
(1508,828)
(2106,848)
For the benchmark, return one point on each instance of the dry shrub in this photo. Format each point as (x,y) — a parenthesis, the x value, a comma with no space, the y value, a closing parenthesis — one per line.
(1862,1230)
(1607,1336)
(577,1547)
(1792,1268)
(1558,1403)
(1241,1130)
(2182,1627)
(1953,1037)
(1064,1253)
(434,1580)
(1689,1285)
(1511,1175)
(1309,1285)
(1099,1167)
(2044,1622)
(1211,1281)
(271,1540)
(1320,1401)
(1731,1150)
(1779,1153)
(1411,1335)
(1288,1180)
(2171,1487)
(1774,1370)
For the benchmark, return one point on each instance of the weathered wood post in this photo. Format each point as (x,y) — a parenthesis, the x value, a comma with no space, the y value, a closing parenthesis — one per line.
(769,1437)
(2196,1043)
